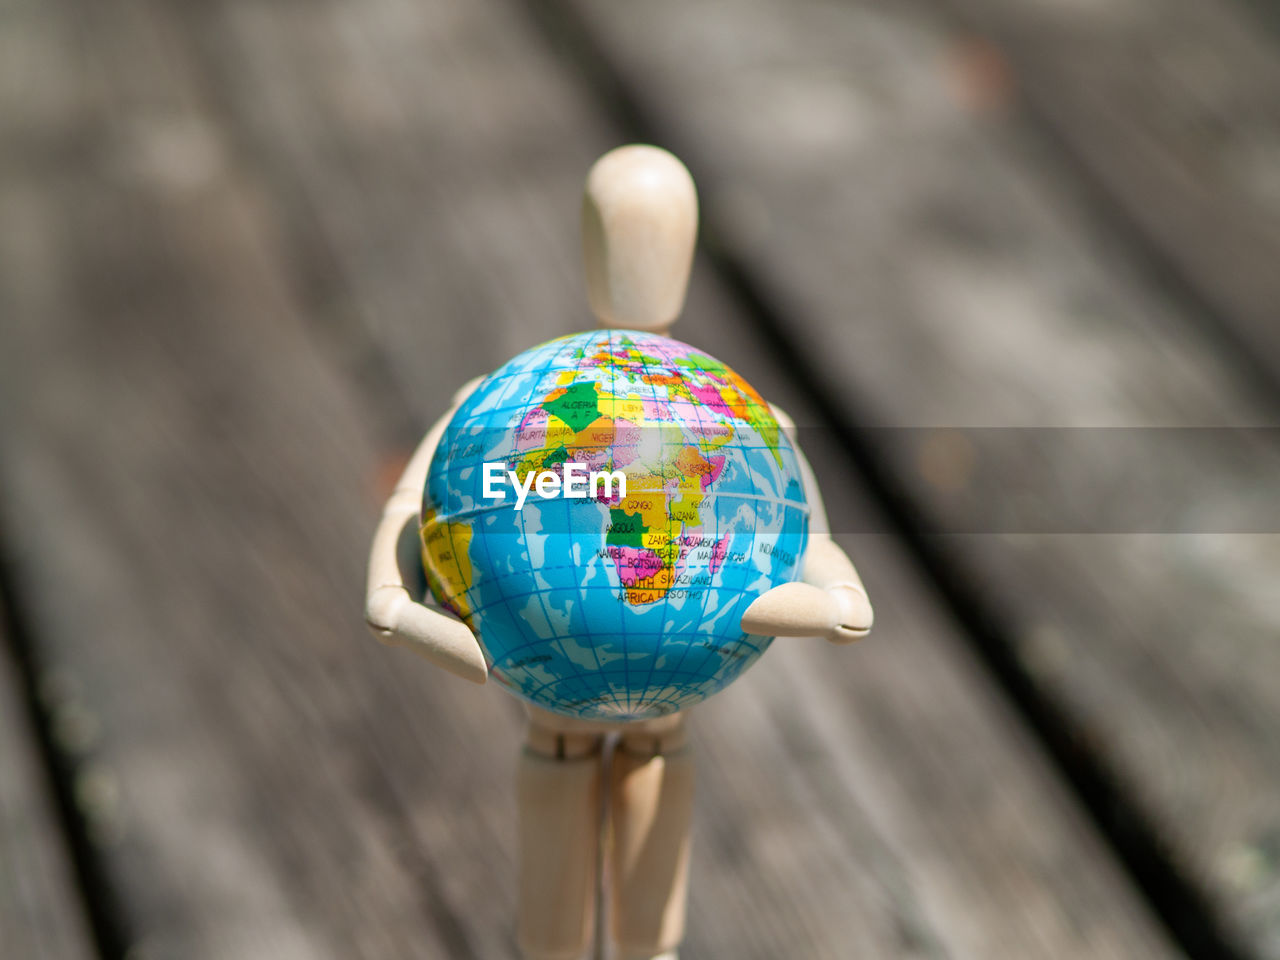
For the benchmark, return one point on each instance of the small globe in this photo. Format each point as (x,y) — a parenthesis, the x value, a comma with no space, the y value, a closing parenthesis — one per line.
(601,511)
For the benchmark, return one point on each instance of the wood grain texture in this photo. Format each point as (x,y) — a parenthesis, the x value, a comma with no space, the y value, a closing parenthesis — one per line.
(191,486)
(41,914)
(935,272)
(1173,108)
(249,236)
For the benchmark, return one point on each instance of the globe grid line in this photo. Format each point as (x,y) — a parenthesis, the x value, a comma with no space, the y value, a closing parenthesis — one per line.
(741,589)
(716,520)
(504,600)
(529,644)
(736,494)
(715,537)
(700,679)
(540,594)
(684,654)
(580,588)
(551,364)
(571,347)
(622,622)
(666,597)
(557,640)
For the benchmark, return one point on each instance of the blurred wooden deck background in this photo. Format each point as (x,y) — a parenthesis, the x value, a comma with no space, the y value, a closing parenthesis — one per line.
(248,249)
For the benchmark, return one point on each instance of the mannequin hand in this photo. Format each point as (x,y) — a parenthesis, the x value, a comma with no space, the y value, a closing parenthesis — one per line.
(840,614)
(398,621)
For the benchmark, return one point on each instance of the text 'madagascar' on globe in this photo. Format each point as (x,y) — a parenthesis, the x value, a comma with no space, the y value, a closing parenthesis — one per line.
(594,603)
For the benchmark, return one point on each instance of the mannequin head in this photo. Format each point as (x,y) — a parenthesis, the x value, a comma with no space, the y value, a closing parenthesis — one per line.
(639,224)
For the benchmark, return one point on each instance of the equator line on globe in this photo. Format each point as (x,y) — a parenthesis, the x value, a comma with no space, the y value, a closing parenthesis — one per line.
(623,601)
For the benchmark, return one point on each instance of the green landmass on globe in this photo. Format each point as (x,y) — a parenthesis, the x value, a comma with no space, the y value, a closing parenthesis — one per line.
(623,602)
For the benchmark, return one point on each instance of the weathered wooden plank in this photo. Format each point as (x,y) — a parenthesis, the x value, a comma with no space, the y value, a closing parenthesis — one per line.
(41,913)
(933,272)
(193,415)
(1173,107)
(190,488)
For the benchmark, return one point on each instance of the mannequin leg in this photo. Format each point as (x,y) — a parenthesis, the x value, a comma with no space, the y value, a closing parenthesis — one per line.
(558,792)
(651,806)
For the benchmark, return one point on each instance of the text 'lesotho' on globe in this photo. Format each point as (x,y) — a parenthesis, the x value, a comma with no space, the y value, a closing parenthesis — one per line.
(622,598)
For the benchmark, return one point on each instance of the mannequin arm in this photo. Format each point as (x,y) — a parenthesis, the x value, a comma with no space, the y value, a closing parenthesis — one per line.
(394,614)
(829,600)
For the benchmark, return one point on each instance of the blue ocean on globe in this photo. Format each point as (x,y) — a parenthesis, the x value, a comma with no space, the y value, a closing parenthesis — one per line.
(590,600)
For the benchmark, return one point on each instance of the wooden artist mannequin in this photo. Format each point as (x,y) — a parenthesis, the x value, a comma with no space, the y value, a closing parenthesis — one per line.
(640,217)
